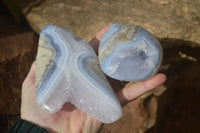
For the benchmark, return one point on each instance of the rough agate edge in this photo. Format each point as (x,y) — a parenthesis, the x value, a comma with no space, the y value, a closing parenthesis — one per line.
(68,70)
(129,53)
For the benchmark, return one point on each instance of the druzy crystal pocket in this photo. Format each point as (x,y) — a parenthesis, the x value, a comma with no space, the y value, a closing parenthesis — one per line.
(129,52)
(67,70)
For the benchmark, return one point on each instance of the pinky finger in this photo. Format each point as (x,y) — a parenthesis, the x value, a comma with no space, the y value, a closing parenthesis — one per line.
(132,92)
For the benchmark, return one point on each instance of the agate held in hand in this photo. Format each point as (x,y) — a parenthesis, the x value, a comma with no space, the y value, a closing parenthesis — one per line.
(67,70)
(129,53)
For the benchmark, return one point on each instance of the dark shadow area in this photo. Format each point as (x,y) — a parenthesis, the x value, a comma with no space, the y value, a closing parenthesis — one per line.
(6,121)
(28,4)
(18,46)
(178,107)
(8,23)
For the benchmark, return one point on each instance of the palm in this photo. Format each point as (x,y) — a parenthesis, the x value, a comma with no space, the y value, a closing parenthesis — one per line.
(69,118)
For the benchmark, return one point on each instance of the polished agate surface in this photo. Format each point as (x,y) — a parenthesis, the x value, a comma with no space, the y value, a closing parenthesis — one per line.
(130,53)
(68,70)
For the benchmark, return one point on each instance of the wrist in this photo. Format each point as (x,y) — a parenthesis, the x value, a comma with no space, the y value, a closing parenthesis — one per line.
(23,126)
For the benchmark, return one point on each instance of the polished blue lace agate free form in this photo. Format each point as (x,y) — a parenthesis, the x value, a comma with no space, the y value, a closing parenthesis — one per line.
(130,53)
(67,70)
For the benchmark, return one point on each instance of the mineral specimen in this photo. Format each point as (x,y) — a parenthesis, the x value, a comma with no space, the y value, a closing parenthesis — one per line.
(129,52)
(68,70)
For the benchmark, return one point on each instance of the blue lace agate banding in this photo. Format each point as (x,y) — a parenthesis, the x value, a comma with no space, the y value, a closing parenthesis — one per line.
(68,70)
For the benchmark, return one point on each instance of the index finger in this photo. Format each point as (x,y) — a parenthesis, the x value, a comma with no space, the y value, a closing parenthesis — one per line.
(132,92)
(96,40)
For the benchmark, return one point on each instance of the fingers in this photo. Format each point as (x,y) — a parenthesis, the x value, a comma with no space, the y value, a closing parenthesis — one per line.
(95,41)
(133,91)
(100,34)
(30,78)
(95,44)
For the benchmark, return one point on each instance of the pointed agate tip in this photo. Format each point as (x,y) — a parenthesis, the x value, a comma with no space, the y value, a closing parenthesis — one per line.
(68,71)
(130,53)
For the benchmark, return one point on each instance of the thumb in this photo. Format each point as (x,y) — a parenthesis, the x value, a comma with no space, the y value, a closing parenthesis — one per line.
(30,78)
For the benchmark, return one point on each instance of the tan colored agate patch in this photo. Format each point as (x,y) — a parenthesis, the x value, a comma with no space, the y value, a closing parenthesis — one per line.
(94,66)
(127,32)
(44,59)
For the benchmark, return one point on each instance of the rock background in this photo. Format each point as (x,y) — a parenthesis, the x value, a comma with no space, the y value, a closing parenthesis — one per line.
(178,19)
(178,109)
(172,107)
(18,46)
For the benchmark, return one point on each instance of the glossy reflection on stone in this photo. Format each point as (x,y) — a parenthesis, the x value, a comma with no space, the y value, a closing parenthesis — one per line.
(129,53)
(68,71)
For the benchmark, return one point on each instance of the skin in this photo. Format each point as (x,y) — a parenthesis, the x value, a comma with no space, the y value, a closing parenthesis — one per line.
(70,119)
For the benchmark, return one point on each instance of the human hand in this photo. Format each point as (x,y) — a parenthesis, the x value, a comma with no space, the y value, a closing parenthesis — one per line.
(70,119)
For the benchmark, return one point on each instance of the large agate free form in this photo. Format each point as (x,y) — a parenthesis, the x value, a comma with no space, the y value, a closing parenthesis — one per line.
(130,53)
(68,71)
